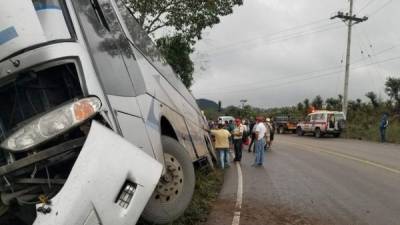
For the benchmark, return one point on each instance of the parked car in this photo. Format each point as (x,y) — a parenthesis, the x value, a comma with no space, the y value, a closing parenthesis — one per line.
(321,123)
(285,124)
(95,127)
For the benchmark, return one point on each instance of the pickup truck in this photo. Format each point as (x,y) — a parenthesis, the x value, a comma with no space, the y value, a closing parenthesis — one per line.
(285,124)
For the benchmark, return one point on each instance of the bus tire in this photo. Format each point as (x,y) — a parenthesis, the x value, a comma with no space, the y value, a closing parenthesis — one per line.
(175,189)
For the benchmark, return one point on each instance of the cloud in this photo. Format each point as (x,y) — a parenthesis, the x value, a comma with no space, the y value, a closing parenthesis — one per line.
(278,52)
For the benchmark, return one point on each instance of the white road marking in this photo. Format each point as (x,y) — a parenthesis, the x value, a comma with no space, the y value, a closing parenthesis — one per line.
(346,156)
(239,195)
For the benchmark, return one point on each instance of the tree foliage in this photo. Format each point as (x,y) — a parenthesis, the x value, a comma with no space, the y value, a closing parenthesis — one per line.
(317,102)
(186,17)
(392,89)
(184,20)
(176,51)
(373,98)
(306,103)
(333,103)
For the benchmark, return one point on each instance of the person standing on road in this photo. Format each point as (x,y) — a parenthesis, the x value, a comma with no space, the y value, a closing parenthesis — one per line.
(259,143)
(237,134)
(273,129)
(230,126)
(268,134)
(383,125)
(221,137)
(253,134)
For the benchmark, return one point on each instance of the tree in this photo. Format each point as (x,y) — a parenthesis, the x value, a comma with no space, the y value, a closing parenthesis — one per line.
(373,98)
(333,103)
(185,20)
(176,51)
(393,89)
(317,102)
(306,104)
(300,107)
(185,17)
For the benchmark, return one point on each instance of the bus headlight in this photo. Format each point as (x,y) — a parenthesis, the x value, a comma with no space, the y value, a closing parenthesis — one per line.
(52,124)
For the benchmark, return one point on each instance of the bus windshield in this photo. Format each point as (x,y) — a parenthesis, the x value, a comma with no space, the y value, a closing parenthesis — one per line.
(27,23)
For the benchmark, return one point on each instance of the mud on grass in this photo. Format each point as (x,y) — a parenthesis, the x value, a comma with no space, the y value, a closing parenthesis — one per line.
(208,186)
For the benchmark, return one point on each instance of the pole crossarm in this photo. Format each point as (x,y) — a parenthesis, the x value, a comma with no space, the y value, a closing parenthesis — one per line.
(347,17)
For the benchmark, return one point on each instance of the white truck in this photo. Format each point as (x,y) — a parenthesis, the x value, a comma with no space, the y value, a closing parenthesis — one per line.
(95,128)
(320,123)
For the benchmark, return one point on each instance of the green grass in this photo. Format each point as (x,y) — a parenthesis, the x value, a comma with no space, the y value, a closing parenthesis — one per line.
(208,186)
(366,127)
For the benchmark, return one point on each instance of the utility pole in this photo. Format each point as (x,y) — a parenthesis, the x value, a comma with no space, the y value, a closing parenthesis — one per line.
(351,20)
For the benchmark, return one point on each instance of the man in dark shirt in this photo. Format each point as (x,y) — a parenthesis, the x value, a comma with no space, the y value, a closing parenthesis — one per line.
(382,127)
(253,134)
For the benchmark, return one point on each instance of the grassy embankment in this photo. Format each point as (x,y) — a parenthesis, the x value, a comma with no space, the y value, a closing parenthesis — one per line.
(208,186)
(365,126)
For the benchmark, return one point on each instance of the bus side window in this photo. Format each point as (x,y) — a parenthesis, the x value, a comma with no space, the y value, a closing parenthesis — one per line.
(105,48)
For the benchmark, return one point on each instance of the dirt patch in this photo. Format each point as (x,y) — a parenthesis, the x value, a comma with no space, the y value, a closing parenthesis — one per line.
(258,214)
(222,213)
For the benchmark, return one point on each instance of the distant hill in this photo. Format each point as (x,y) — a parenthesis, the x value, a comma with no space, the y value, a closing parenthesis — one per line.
(207,104)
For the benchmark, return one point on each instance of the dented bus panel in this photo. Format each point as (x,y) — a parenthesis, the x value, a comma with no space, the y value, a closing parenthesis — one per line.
(95,128)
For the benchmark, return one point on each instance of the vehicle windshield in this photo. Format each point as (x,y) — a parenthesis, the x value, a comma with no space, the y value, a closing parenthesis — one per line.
(47,23)
(339,116)
(34,92)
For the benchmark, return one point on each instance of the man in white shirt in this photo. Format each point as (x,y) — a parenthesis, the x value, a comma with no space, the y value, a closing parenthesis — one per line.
(260,130)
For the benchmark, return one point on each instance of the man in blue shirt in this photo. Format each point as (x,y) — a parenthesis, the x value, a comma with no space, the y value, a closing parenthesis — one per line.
(382,127)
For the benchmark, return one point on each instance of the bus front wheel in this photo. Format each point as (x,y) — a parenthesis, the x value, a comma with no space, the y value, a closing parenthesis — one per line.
(175,189)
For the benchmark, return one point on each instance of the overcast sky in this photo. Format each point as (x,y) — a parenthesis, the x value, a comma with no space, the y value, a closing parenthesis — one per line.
(279,52)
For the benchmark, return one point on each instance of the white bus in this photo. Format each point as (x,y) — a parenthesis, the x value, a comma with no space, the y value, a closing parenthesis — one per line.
(95,128)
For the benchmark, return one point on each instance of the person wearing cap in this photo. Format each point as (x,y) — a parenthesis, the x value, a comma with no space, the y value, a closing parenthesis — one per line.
(237,134)
(221,137)
(259,143)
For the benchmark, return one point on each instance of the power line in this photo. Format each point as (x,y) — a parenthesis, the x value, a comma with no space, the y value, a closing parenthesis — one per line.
(312,72)
(304,79)
(270,35)
(366,5)
(273,41)
(380,8)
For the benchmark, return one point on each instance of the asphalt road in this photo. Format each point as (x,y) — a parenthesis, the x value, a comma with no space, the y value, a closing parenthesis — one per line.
(315,181)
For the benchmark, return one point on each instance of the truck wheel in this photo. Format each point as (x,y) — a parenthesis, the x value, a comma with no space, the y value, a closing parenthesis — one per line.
(175,189)
(336,135)
(299,131)
(317,133)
